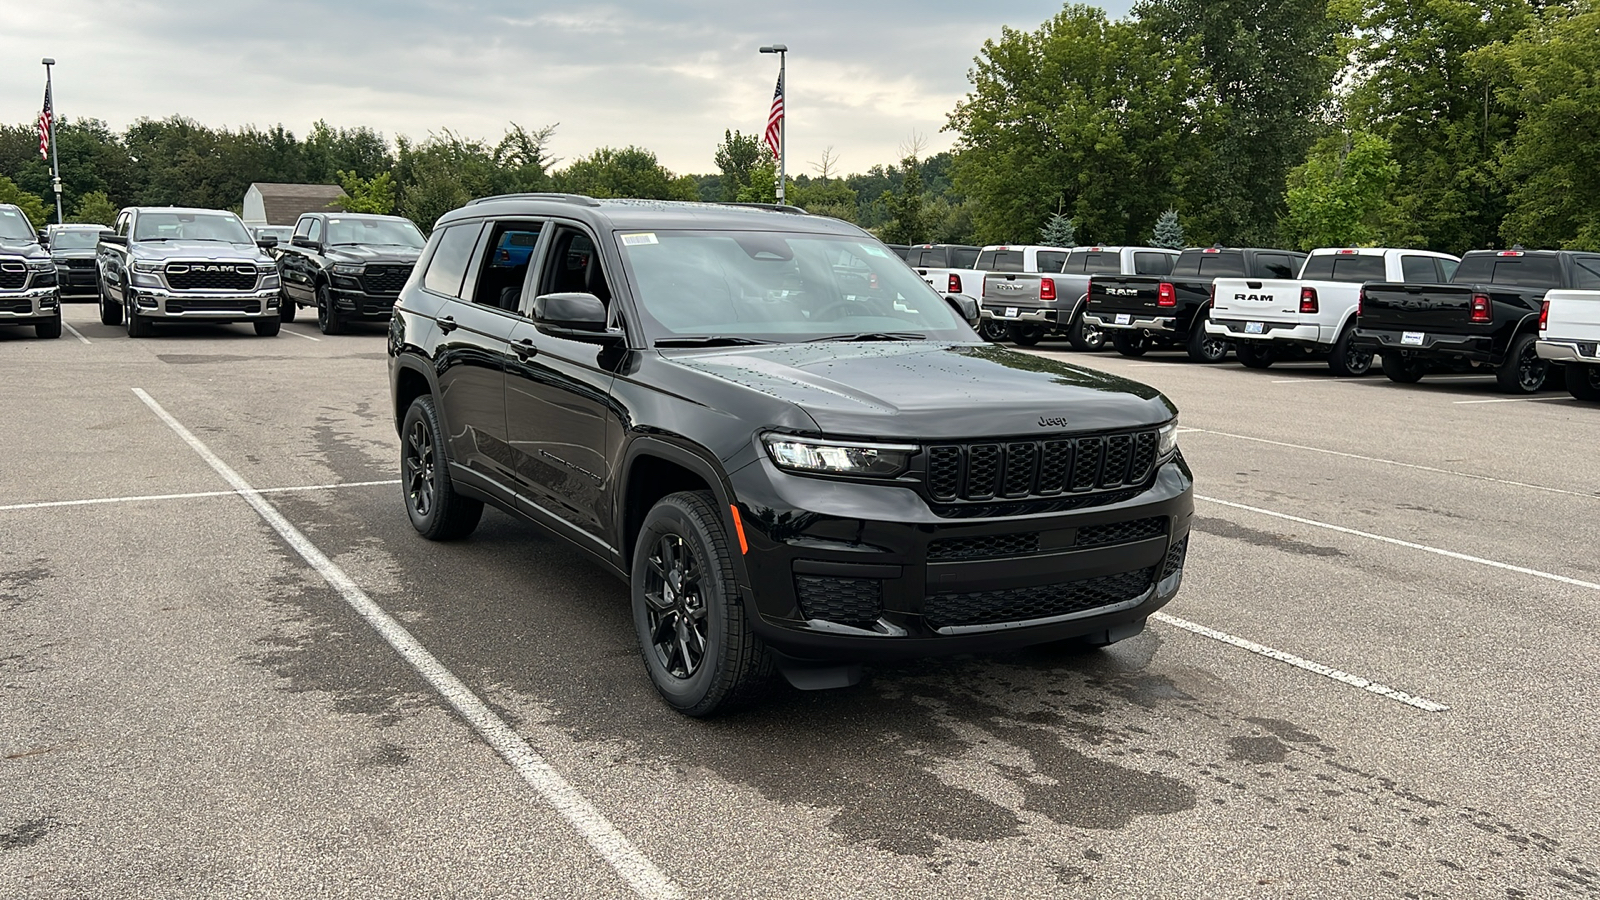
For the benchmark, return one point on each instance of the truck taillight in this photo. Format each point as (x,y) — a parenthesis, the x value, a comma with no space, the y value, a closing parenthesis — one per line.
(1166,295)
(1308,299)
(1481,310)
(1047,289)
(1361,302)
(955,283)
(1544,316)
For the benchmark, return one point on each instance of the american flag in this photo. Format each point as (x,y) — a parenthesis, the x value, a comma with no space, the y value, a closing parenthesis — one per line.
(775,118)
(46,121)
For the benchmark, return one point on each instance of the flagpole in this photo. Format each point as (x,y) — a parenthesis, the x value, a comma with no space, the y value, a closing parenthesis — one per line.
(55,153)
(783,124)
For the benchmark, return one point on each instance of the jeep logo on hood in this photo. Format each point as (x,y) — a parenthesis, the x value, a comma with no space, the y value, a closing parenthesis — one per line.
(1052,421)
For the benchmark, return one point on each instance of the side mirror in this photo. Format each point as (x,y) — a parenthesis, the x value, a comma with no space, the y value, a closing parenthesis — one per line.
(111,237)
(267,243)
(574,316)
(307,243)
(965,307)
(44,239)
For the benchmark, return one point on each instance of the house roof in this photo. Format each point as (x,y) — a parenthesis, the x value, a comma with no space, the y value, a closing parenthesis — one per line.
(284,203)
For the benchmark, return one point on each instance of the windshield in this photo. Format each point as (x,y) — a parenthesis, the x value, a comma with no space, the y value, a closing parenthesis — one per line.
(769,286)
(15,225)
(191,226)
(385,232)
(76,239)
(281,232)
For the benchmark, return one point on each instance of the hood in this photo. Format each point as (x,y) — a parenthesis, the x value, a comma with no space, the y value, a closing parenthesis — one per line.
(21,247)
(214,251)
(86,253)
(361,253)
(935,390)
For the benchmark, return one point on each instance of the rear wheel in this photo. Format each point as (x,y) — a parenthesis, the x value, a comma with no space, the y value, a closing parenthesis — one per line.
(1583,381)
(1204,347)
(436,511)
(992,330)
(269,326)
(1403,370)
(50,329)
(1523,371)
(699,649)
(1130,343)
(328,321)
(1084,337)
(1256,355)
(1347,360)
(1026,335)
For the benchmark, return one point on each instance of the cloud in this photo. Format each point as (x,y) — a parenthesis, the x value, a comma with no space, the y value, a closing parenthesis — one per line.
(668,75)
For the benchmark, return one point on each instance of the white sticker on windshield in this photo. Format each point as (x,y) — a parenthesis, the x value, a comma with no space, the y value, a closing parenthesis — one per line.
(875,251)
(635,240)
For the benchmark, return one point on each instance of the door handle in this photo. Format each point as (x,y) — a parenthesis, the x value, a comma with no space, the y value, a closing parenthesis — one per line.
(524,348)
(447,324)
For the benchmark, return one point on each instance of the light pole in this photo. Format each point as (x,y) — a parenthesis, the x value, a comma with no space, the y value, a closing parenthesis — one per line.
(55,154)
(783,97)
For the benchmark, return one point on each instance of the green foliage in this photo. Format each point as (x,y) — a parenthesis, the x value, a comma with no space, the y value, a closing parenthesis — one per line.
(1168,232)
(94,208)
(824,197)
(906,224)
(738,157)
(30,204)
(366,195)
(1060,231)
(628,172)
(1550,172)
(1337,198)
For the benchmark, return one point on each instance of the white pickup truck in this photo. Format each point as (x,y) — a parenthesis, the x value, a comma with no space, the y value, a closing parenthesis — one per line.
(1569,332)
(1271,320)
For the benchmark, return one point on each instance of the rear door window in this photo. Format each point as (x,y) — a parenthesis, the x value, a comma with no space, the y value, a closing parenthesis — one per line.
(504,268)
(448,264)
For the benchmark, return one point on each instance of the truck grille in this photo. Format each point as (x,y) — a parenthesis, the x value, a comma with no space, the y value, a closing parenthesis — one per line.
(384,279)
(20,307)
(205,304)
(1042,602)
(80,263)
(848,601)
(1042,468)
(13,276)
(203,277)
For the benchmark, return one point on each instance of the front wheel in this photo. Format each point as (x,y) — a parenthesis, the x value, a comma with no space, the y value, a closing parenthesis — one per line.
(1085,338)
(1256,355)
(1130,343)
(1347,360)
(268,327)
(699,649)
(328,321)
(110,313)
(436,511)
(1583,381)
(1523,371)
(1402,370)
(138,326)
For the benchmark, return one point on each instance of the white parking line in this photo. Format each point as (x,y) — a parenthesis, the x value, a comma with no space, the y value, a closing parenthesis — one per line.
(638,871)
(1391,462)
(1516,400)
(1300,663)
(1476,560)
(192,496)
(68,326)
(298,334)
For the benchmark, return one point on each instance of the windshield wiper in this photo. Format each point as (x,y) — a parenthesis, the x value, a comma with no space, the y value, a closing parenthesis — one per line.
(711,340)
(872,336)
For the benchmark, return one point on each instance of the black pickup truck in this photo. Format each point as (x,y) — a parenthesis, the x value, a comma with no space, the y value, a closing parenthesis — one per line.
(1487,316)
(348,266)
(1142,312)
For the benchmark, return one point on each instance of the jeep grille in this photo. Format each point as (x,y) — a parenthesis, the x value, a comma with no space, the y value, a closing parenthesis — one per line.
(1013,470)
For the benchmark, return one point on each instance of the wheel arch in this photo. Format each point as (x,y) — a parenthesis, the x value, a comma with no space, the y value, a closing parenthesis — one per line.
(654,468)
(411,381)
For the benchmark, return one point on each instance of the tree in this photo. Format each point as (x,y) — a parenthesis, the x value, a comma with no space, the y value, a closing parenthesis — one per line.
(1338,197)
(366,195)
(523,159)
(628,172)
(1060,231)
(29,203)
(1168,233)
(94,208)
(825,197)
(906,224)
(738,157)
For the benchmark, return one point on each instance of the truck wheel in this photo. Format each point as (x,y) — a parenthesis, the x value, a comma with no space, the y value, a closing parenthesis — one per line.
(1254,355)
(269,326)
(436,511)
(1204,347)
(698,646)
(1130,343)
(1583,381)
(1085,338)
(1026,335)
(1401,370)
(138,326)
(286,307)
(992,330)
(50,329)
(1522,372)
(110,313)
(328,321)
(1346,360)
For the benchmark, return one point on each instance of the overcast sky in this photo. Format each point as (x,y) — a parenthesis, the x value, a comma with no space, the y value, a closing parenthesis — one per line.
(669,75)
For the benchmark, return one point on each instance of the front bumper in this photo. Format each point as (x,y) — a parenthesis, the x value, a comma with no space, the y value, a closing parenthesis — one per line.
(1284,332)
(30,306)
(77,282)
(353,303)
(1570,351)
(158,303)
(1131,322)
(1432,345)
(848,571)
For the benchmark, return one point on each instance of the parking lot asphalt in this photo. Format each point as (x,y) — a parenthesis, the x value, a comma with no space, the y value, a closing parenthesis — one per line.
(1378,680)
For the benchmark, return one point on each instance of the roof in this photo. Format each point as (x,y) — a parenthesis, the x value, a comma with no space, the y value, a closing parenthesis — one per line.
(282,204)
(663,214)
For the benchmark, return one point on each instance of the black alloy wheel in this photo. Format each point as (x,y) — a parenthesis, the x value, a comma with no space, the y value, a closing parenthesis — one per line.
(1130,342)
(1523,371)
(1085,338)
(328,321)
(1256,354)
(1583,381)
(1204,347)
(1348,360)
(1402,369)
(436,511)
(698,647)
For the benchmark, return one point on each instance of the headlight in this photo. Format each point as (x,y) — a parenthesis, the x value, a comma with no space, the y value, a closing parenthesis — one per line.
(343,269)
(41,265)
(146,266)
(830,458)
(1168,443)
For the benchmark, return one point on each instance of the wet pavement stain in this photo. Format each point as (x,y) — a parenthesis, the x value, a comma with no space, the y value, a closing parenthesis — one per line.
(1256,537)
(28,833)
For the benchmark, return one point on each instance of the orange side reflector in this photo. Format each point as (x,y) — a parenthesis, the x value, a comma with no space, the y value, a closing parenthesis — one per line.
(738,527)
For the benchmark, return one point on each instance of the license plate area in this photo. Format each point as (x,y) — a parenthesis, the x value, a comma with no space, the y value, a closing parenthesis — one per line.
(1412,338)
(1254,328)
(1010,312)
(1124,319)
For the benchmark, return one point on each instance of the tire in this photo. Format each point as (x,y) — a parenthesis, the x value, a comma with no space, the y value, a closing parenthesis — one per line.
(48,330)
(138,326)
(328,321)
(1083,337)
(287,308)
(1130,343)
(436,511)
(1583,381)
(685,595)
(110,313)
(1025,335)
(1204,347)
(1346,360)
(1255,355)
(1522,372)
(1401,370)
(992,330)
(269,327)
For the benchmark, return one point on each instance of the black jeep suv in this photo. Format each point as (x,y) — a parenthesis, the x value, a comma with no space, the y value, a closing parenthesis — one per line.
(348,267)
(797,453)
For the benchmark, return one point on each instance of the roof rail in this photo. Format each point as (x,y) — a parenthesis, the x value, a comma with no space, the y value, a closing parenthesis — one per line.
(783,208)
(576,199)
